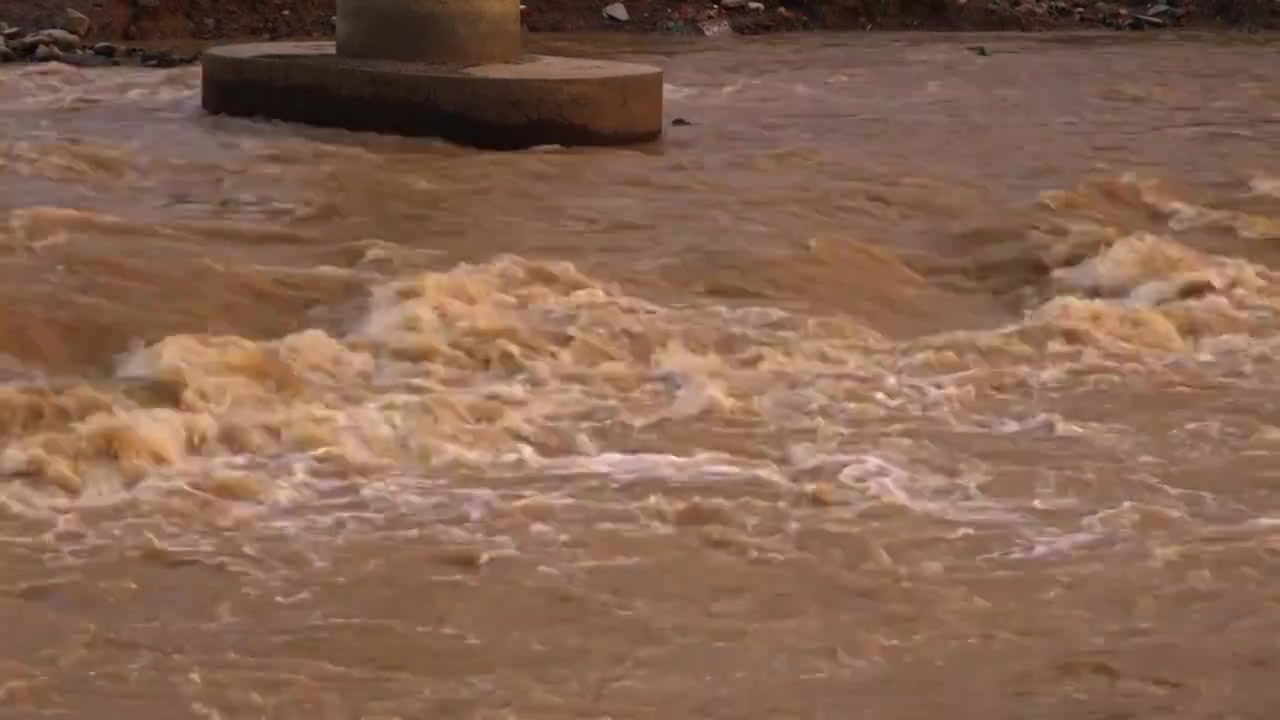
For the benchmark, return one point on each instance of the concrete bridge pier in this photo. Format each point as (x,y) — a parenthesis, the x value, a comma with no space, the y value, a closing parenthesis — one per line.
(453,69)
(444,32)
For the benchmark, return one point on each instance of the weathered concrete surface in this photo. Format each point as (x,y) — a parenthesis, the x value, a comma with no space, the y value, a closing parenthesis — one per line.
(539,100)
(445,32)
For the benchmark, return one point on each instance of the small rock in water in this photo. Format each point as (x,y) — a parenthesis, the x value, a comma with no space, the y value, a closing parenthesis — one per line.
(86,59)
(733,3)
(823,493)
(104,49)
(76,22)
(10,33)
(160,60)
(164,59)
(755,6)
(617,11)
(62,39)
(680,122)
(5,53)
(46,53)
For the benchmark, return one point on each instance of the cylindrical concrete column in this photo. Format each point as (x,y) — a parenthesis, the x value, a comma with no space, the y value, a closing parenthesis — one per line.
(442,32)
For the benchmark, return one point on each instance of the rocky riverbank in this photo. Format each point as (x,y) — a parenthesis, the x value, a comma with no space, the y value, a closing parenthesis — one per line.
(747,17)
(90,32)
(68,44)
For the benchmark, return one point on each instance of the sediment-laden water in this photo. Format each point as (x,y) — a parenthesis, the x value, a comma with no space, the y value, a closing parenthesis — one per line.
(906,382)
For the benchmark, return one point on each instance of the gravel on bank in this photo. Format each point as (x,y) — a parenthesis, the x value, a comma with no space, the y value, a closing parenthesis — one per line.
(68,44)
(91,32)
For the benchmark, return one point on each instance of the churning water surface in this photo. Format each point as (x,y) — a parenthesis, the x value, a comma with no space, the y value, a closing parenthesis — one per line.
(904,383)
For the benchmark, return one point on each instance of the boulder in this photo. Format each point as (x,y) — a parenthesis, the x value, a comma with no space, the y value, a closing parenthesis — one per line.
(46,53)
(617,11)
(61,39)
(74,21)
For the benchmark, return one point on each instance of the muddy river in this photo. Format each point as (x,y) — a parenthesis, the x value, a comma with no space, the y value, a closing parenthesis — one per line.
(905,382)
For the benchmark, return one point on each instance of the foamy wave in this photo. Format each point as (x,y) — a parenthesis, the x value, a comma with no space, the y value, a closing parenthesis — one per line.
(514,369)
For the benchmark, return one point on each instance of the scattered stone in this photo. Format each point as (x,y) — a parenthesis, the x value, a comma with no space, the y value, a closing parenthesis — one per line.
(680,122)
(62,39)
(715,28)
(27,45)
(46,53)
(87,59)
(697,17)
(105,49)
(76,22)
(617,11)
(162,58)
(6,55)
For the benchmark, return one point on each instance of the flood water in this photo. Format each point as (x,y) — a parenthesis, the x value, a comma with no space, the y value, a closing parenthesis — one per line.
(906,382)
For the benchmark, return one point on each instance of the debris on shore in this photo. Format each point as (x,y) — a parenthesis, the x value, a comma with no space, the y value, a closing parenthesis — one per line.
(751,17)
(68,44)
(35,30)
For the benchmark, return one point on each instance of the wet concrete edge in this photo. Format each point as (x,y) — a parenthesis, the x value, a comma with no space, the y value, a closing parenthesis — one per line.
(569,112)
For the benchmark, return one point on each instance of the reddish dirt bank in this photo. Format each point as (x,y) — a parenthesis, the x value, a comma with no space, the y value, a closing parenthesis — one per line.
(218,19)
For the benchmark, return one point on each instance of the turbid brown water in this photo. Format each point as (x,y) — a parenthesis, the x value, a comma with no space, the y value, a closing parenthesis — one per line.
(904,383)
